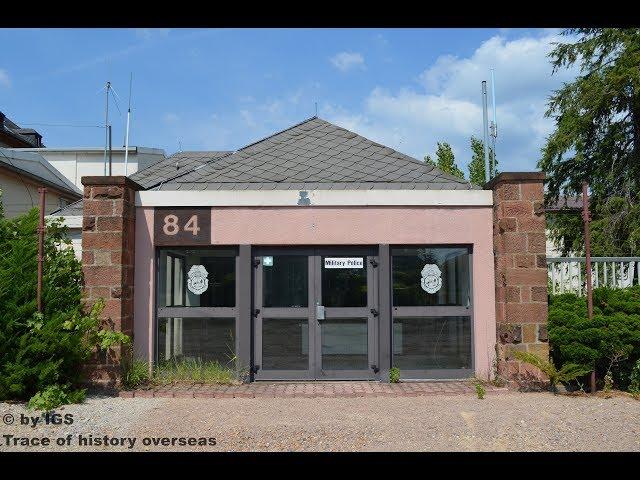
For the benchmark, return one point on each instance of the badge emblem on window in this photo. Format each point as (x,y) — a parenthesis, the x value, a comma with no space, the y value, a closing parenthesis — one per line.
(431,278)
(198,280)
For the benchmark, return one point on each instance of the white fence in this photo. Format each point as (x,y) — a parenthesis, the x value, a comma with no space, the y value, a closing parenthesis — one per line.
(567,274)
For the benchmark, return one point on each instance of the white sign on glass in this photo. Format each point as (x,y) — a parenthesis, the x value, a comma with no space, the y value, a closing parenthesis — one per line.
(431,278)
(198,280)
(267,261)
(343,262)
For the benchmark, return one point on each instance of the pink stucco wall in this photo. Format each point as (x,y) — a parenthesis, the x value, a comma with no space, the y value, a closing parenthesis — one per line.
(343,226)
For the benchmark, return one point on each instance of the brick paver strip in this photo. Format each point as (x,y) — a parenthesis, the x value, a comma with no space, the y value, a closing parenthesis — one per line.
(313,390)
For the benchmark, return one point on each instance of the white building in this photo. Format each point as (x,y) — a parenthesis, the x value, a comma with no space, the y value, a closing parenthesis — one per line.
(74,163)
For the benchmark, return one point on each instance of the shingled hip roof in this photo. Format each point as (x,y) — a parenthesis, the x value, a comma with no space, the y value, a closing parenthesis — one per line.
(316,154)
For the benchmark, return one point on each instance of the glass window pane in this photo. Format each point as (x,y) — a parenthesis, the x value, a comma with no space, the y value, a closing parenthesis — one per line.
(344,344)
(285,344)
(344,287)
(201,339)
(430,276)
(425,343)
(197,278)
(285,282)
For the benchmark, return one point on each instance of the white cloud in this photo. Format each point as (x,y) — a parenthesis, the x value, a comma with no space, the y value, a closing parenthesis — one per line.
(446,105)
(345,61)
(5,81)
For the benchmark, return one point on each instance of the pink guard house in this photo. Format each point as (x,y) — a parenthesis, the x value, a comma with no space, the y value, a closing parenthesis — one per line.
(313,254)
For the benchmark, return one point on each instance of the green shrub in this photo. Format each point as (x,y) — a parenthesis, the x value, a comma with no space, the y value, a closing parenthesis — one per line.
(55,395)
(567,373)
(608,343)
(43,353)
(634,383)
(394,375)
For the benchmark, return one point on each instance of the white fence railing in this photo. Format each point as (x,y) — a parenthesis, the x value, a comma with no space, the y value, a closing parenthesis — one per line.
(567,274)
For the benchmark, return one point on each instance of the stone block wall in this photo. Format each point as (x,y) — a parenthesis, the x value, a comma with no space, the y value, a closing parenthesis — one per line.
(521,270)
(108,243)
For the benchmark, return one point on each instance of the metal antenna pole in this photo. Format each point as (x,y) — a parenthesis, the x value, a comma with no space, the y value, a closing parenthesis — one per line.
(494,125)
(106,128)
(485,132)
(43,192)
(110,153)
(587,248)
(126,140)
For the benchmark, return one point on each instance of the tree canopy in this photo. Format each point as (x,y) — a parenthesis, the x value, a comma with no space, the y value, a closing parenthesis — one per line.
(446,160)
(597,135)
(476,166)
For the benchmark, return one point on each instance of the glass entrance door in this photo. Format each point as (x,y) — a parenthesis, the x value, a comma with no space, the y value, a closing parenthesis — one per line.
(315,314)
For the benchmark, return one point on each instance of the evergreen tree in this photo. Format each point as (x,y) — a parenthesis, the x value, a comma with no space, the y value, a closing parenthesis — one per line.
(446,160)
(476,166)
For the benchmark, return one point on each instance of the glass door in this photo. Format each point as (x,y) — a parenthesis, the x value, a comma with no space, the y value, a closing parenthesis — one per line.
(346,314)
(283,312)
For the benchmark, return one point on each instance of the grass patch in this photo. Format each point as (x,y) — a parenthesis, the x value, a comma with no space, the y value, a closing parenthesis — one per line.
(136,374)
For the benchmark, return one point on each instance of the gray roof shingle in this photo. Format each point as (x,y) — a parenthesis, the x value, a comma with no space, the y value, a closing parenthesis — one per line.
(320,153)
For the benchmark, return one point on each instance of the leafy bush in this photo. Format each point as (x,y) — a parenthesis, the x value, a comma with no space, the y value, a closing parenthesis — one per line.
(608,343)
(55,395)
(634,384)
(394,375)
(44,352)
(567,373)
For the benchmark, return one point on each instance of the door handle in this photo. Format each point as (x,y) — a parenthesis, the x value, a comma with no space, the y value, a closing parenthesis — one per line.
(319,312)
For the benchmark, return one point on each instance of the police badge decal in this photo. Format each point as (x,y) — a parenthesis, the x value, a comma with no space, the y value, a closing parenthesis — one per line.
(198,280)
(431,278)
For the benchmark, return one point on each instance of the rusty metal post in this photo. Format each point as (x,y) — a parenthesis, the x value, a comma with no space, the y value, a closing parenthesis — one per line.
(43,195)
(587,247)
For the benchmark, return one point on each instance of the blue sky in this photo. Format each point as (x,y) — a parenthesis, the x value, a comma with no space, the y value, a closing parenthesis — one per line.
(224,88)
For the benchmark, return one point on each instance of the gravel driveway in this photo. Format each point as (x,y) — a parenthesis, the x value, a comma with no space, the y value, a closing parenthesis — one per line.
(505,422)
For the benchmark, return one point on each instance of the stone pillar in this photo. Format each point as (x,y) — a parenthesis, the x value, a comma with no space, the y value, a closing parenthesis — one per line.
(519,243)
(108,243)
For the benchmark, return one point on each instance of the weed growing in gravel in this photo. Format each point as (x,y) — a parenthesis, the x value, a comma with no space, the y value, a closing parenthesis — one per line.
(135,374)
(480,390)
(394,375)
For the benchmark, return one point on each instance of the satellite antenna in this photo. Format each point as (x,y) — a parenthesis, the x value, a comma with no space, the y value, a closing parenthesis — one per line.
(126,139)
(494,124)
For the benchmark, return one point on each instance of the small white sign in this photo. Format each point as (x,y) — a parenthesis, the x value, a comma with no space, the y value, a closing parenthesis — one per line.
(343,262)
(267,261)
(431,278)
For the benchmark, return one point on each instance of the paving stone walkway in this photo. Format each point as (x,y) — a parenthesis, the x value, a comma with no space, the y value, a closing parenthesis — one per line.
(313,390)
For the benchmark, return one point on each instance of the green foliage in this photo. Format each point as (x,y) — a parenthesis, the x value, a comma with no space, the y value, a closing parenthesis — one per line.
(480,390)
(394,374)
(135,373)
(597,134)
(476,166)
(43,352)
(445,160)
(193,371)
(567,373)
(608,342)
(634,383)
(55,395)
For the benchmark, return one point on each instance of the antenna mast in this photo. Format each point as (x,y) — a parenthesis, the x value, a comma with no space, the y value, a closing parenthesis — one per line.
(494,124)
(106,127)
(487,176)
(126,140)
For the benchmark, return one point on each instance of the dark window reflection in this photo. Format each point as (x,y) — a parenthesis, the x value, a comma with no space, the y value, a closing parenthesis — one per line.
(285,283)
(344,344)
(175,265)
(344,287)
(424,343)
(201,339)
(285,344)
(408,278)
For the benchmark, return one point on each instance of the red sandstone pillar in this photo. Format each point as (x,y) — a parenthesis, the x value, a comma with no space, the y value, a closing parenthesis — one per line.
(108,242)
(519,242)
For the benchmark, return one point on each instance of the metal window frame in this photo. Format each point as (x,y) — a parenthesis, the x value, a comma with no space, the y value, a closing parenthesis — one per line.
(195,312)
(435,311)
